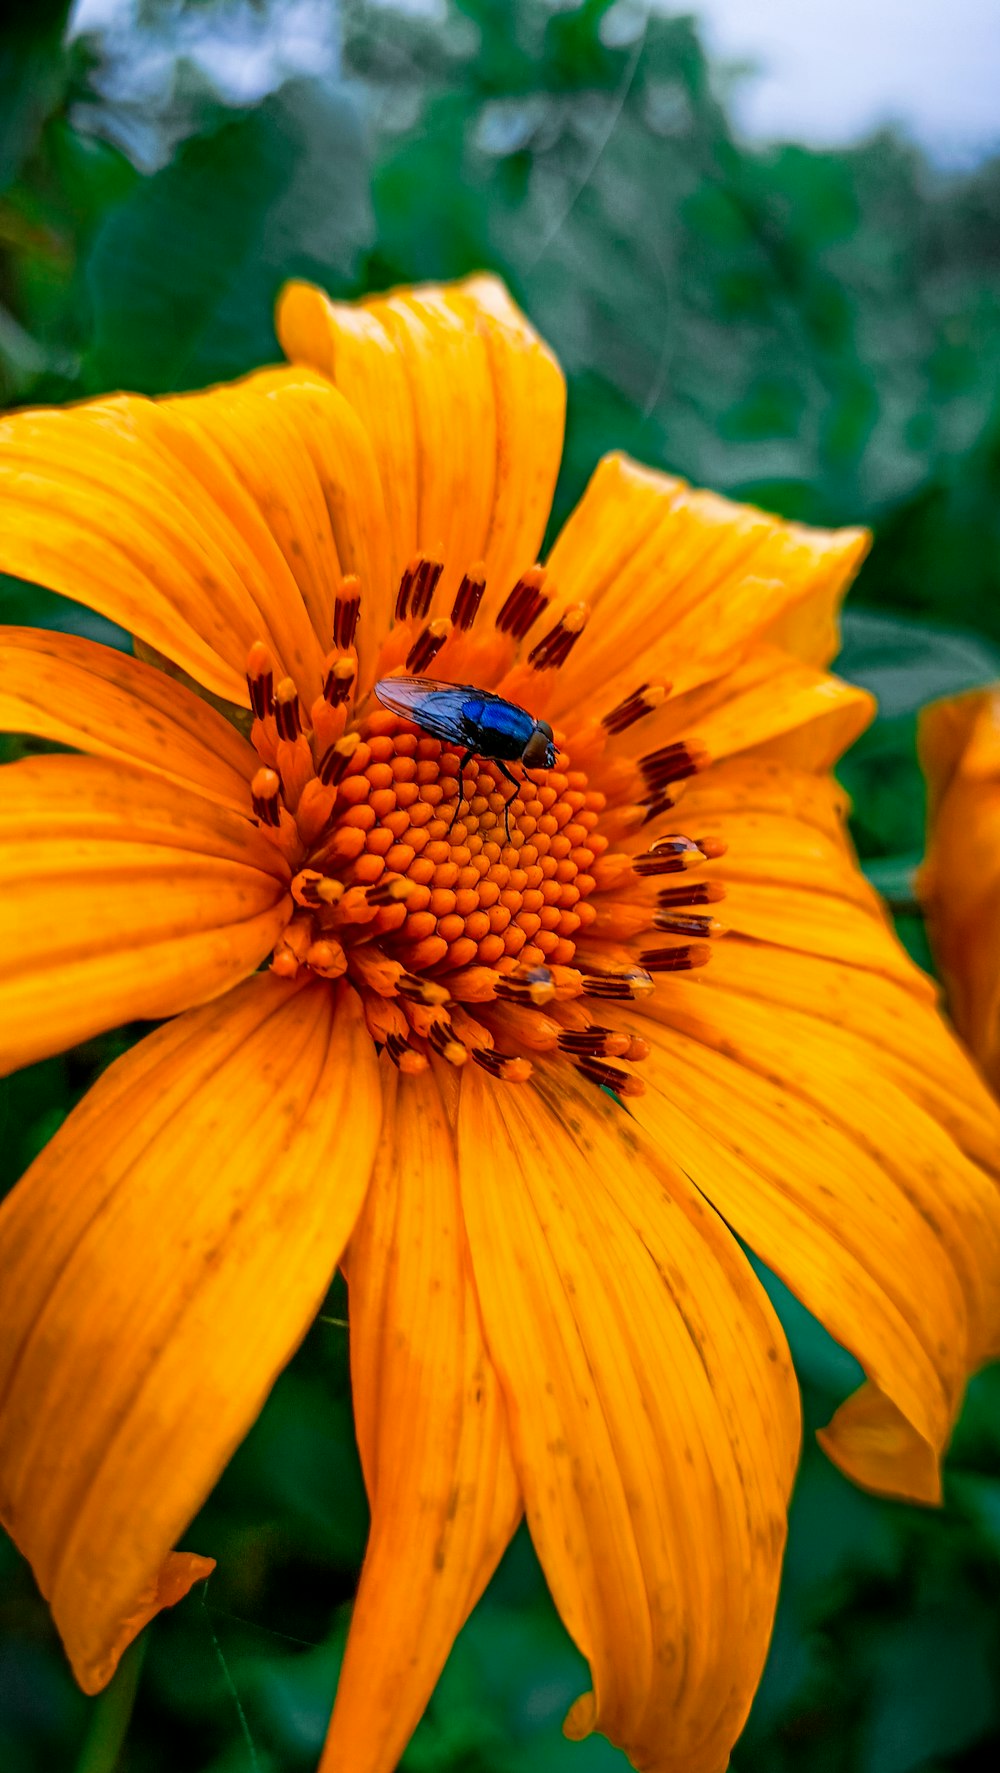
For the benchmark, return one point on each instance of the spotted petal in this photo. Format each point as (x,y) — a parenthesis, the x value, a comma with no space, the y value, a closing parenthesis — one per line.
(464,406)
(200,524)
(835,1158)
(653,1411)
(431,1427)
(58,686)
(162,1259)
(122,895)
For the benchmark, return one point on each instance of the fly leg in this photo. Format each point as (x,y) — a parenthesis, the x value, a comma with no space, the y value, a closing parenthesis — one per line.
(508,803)
(467,759)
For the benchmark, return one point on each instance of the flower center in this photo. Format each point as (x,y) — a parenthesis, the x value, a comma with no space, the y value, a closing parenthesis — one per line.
(454,903)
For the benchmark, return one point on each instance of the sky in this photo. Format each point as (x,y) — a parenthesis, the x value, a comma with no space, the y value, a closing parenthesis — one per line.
(833,69)
(827,70)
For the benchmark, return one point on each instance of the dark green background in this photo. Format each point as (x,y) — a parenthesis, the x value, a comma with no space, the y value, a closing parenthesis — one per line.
(819,332)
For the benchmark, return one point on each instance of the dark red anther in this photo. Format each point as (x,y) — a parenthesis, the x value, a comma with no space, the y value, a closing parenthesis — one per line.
(555,647)
(524,605)
(260,680)
(338,678)
(584,1042)
(505,1067)
(626,984)
(609,1077)
(391,889)
(670,855)
(698,892)
(673,763)
(265,791)
(468,598)
(442,1037)
(346,611)
(698,928)
(529,985)
(335,762)
(657,803)
(427,645)
(643,700)
(402,1053)
(676,960)
(406,585)
(287,710)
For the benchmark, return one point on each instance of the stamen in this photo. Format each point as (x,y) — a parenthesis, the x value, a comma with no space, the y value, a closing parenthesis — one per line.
(265,790)
(416,989)
(287,709)
(697,927)
(404,1056)
(435,1026)
(669,855)
(504,1067)
(524,605)
(697,892)
(610,1077)
(392,889)
(260,680)
(314,890)
(338,678)
(655,804)
(346,610)
(335,763)
(555,647)
(642,701)
(417,587)
(427,645)
(673,763)
(527,985)
(468,597)
(594,1042)
(676,960)
(621,983)
(424,587)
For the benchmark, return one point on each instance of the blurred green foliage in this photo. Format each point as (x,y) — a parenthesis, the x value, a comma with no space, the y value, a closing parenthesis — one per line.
(819,332)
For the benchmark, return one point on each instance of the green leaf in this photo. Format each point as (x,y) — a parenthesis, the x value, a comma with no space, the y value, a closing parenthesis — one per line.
(184,274)
(908,664)
(935,1688)
(31,77)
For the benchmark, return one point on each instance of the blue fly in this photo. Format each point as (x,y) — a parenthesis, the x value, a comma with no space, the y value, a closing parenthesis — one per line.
(482,723)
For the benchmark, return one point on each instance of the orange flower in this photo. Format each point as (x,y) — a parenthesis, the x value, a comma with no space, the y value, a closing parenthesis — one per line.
(550,1311)
(960,753)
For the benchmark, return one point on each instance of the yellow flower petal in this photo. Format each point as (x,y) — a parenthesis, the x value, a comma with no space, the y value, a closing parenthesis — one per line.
(681,582)
(846,1188)
(121,896)
(159,515)
(895,1022)
(60,687)
(959,882)
(791,878)
(769,704)
(653,1411)
(431,1428)
(162,1259)
(464,405)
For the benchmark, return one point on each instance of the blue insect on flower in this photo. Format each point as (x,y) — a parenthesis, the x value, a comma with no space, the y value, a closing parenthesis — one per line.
(484,724)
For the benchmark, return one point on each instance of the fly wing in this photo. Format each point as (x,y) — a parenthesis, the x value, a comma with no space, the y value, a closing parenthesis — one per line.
(438,707)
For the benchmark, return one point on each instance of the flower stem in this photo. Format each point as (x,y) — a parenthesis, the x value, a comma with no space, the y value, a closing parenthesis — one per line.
(112,1714)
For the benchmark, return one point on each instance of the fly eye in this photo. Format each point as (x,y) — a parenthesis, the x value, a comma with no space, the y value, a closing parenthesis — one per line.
(539,752)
